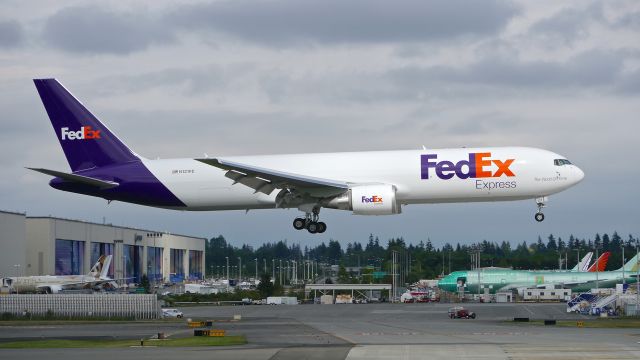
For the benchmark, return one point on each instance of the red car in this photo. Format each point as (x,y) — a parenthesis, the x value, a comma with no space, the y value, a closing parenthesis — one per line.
(459,312)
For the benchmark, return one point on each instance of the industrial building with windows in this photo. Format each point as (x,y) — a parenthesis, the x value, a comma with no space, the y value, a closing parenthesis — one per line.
(55,246)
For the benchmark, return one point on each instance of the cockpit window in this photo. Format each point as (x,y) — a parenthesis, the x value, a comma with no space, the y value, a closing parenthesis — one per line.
(560,162)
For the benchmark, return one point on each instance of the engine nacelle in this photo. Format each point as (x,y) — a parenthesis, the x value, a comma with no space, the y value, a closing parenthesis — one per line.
(374,200)
(367,200)
(50,289)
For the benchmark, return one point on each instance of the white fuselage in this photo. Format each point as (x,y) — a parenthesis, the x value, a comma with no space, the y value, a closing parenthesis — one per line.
(509,173)
(37,283)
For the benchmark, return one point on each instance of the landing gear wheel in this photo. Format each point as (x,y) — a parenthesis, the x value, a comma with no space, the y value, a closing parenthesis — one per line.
(312,227)
(322,227)
(299,223)
(541,202)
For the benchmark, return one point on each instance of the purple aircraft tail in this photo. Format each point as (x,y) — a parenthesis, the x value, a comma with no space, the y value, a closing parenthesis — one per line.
(86,142)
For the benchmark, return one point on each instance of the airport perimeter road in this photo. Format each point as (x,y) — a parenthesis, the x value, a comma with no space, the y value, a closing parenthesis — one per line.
(372,331)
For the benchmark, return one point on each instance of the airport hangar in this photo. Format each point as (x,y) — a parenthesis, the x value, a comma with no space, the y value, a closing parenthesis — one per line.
(46,245)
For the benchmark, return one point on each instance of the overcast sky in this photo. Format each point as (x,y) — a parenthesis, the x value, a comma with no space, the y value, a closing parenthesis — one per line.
(288,76)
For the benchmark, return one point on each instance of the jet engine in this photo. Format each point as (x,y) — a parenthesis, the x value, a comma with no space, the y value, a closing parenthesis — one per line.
(378,199)
(50,289)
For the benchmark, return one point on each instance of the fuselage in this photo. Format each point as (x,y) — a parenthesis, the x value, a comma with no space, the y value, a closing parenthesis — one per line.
(504,279)
(37,283)
(366,183)
(419,176)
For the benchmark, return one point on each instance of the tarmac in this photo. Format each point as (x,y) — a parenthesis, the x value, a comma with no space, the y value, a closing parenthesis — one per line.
(350,331)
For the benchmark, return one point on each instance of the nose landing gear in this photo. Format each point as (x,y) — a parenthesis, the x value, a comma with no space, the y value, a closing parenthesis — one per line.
(310,222)
(541,204)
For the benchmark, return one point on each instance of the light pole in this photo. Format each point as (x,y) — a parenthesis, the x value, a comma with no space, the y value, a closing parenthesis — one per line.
(597,267)
(622,245)
(393,275)
(294,271)
(256,260)
(637,279)
(578,250)
(265,264)
(227,258)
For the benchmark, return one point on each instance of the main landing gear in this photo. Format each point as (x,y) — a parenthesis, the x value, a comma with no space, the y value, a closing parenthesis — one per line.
(541,204)
(310,222)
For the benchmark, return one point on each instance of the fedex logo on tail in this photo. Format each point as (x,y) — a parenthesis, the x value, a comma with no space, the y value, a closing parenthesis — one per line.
(479,165)
(85,133)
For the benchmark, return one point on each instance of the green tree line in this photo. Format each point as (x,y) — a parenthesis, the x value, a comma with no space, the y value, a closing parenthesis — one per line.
(422,260)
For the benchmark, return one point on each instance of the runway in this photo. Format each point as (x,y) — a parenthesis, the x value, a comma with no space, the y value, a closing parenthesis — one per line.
(371,331)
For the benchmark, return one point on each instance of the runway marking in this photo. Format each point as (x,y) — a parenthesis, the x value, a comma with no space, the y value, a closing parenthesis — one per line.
(408,312)
(526,307)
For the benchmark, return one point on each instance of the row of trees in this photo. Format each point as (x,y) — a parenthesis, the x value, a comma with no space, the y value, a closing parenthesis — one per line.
(422,260)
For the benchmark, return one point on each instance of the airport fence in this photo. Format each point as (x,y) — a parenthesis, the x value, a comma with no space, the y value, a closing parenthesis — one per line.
(137,306)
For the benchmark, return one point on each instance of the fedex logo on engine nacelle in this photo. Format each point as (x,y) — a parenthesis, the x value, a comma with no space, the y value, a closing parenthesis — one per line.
(85,133)
(478,166)
(375,199)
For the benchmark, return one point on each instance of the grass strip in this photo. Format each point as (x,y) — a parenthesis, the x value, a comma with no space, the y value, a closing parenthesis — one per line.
(595,323)
(110,343)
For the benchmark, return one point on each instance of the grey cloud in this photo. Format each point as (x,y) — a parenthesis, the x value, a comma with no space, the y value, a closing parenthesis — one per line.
(630,83)
(337,21)
(573,23)
(190,81)
(484,123)
(588,69)
(96,30)
(568,24)
(11,34)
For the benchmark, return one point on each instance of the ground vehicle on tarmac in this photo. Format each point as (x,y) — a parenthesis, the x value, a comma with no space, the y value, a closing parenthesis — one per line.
(458,312)
(172,313)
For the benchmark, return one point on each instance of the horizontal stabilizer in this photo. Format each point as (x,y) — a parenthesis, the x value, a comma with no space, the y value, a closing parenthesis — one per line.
(102,184)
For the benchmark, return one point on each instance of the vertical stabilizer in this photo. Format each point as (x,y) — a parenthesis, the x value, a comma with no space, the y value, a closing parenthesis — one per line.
(86,142)
(97,268)
(601,263)
(104,274)
(631,265)
(583,265)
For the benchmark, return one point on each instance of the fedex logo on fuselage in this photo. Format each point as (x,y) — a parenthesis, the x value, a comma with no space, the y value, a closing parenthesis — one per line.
(375,199)
(479,165)
(85,133)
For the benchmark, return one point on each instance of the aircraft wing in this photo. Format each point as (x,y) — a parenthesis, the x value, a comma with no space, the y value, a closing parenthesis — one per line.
(103,184)
(267,180)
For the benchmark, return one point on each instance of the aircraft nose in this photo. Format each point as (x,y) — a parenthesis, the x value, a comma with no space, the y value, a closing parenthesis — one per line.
(578,174)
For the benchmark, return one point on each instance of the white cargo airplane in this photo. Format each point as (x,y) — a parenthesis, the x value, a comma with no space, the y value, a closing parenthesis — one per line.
(367,183)
(51,284)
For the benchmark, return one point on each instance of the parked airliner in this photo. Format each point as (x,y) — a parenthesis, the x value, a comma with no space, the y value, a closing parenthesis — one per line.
(51,284)
(366,183)
(497,280)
